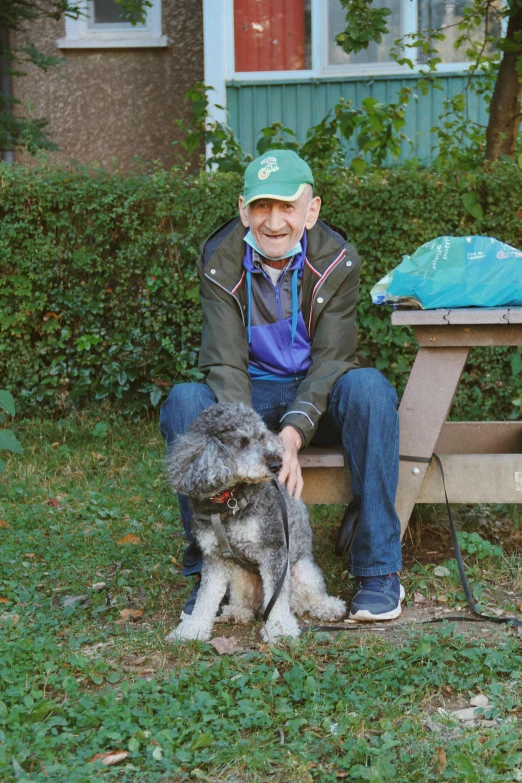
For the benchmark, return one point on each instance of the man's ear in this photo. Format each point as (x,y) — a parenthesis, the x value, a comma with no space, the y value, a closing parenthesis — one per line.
(243,212)
(313,212)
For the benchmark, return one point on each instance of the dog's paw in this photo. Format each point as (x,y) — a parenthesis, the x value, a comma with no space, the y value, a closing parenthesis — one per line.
(187,631)
(281,628)
(329,608)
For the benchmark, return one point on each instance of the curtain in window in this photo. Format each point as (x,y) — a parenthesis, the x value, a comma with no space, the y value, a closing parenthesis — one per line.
(270,35)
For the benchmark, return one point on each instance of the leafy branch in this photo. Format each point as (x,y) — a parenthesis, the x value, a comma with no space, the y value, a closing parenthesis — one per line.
(494,57)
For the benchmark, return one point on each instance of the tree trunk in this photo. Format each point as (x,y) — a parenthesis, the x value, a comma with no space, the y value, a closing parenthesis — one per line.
(504,109)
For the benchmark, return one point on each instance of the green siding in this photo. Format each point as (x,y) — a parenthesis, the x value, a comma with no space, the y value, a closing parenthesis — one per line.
(299,105)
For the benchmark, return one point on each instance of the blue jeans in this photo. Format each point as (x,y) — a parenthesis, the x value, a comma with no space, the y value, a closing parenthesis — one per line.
(362,417)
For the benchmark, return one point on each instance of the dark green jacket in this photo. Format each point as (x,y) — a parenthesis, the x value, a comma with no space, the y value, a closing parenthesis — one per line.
(330,285)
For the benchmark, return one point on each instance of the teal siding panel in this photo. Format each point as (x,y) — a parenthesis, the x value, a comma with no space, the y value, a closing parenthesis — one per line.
(243,124)
(301,104)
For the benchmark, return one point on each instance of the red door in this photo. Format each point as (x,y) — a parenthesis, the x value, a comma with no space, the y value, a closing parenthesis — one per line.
(269,35)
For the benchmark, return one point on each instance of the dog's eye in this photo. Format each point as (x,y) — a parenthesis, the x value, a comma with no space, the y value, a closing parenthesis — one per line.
(243,443)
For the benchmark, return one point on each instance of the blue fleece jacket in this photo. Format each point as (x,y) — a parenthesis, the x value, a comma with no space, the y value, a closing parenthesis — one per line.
(279,345)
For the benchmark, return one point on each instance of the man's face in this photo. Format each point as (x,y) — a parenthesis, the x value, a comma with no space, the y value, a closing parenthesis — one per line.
(278,225)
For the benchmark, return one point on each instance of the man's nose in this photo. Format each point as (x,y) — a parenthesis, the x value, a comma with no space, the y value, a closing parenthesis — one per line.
(274,221)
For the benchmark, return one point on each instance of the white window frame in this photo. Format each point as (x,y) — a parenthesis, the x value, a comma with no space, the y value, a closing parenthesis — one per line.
(79,35)
(218,18)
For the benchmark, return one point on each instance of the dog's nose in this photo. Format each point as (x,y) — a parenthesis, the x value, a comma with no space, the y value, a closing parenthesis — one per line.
(274,464)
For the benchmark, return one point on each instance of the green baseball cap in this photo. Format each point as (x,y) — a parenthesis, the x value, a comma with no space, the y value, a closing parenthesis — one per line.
(279,174)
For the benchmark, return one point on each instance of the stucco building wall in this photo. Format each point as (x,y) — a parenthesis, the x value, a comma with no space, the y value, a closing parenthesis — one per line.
(110,105)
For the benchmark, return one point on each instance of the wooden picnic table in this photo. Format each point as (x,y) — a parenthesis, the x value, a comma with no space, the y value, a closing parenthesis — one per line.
(482,460)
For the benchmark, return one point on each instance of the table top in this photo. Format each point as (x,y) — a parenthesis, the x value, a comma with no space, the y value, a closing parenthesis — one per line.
(457,316)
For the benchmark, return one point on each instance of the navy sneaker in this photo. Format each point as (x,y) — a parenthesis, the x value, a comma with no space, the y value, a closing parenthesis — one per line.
(377,598)
(191,600)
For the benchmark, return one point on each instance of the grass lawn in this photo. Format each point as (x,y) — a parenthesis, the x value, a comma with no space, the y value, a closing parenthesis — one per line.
(89,586)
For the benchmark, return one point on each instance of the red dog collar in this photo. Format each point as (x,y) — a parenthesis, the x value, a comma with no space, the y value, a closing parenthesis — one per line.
(223,497)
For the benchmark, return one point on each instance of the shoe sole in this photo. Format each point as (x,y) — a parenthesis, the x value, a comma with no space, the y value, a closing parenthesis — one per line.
(364,616)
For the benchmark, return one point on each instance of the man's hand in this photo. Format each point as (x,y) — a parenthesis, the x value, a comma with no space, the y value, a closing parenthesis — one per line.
(290,473)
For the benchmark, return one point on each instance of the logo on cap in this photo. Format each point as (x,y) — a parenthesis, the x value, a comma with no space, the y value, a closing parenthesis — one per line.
(271,166)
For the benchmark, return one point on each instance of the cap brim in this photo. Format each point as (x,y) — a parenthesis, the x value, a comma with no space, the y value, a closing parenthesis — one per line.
(280,192)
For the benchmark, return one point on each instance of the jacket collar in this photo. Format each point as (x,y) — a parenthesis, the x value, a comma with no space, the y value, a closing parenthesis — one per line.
(295,262)
(224,250)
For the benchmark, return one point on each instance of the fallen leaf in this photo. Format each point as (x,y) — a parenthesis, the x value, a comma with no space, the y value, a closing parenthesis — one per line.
(138,661)
(29,555)
(419,598)
(130,538)
(98,456)
(441,571)
(99,586)
(51,315)
(4,600)
(136,498)
(4,524)
(131,614)
(10,619)
(225,645)
(441,760)
(56,443)
(442,599)
(108,759)
(53,502)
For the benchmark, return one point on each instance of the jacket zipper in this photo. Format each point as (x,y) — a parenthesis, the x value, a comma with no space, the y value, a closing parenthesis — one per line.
(282,327)
(228,292)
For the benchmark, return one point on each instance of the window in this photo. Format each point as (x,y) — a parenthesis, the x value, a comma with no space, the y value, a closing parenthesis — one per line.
(375,53)
(282,37)
(101,25)
(446,14)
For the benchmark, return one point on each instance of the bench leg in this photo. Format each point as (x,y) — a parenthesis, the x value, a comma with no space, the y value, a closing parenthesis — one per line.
(423,410)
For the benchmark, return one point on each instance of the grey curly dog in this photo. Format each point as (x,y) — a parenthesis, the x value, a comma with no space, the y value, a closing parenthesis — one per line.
(229,453)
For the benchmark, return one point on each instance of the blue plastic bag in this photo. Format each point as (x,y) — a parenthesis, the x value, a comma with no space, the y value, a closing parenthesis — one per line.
(455,272)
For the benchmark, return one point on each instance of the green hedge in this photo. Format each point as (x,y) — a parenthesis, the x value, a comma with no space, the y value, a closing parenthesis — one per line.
(99,297)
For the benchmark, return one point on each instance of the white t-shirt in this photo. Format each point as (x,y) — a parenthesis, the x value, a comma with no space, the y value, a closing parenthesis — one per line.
(273,274)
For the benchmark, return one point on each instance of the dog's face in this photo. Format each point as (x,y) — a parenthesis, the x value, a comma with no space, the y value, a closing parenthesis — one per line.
(226,445)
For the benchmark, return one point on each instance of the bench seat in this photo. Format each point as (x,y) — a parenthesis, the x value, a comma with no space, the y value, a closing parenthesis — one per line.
(482,463)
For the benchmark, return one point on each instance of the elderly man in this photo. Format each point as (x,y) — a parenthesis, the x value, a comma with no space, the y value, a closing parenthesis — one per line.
(279,291)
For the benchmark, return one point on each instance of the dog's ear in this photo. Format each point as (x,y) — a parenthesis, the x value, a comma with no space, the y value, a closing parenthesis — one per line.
(200,467)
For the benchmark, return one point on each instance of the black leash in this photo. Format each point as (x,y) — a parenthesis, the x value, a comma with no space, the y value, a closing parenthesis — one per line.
(460,563)
(281,581)
(228,553)
(345,541)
